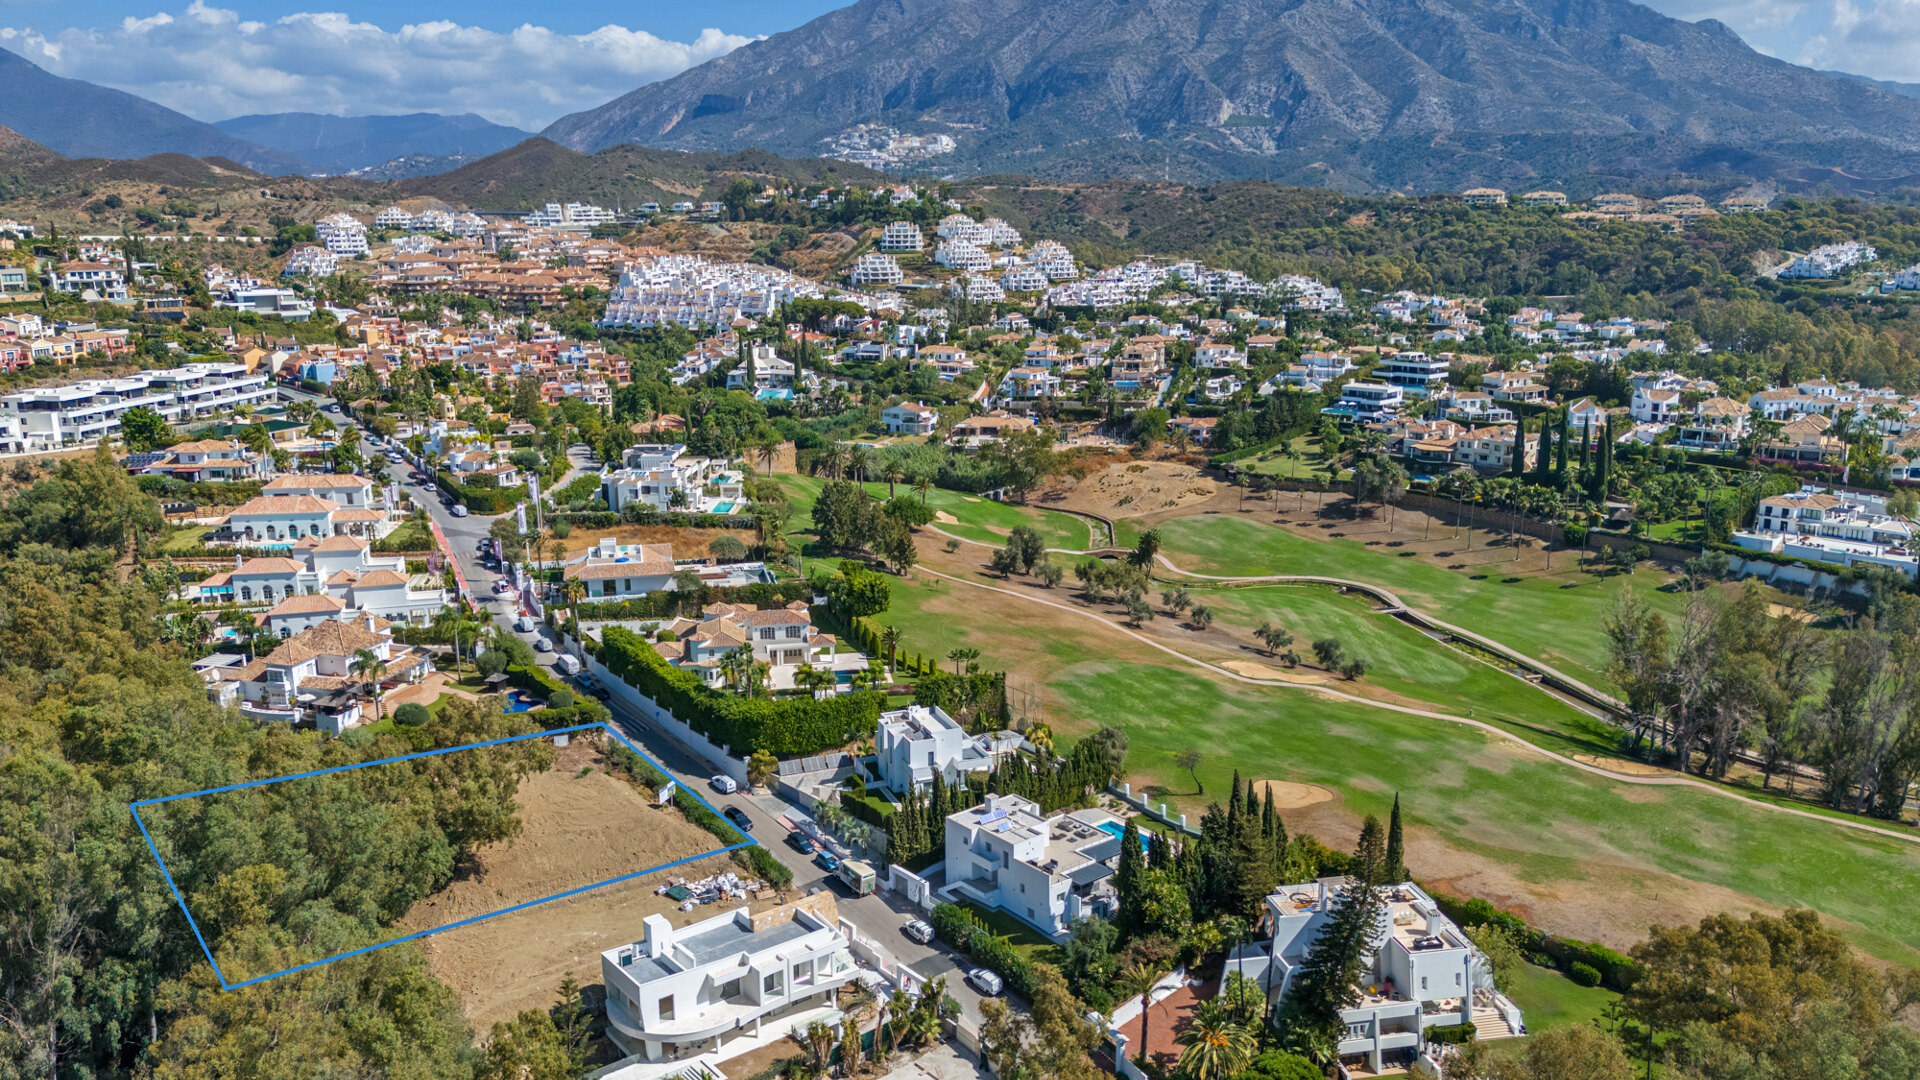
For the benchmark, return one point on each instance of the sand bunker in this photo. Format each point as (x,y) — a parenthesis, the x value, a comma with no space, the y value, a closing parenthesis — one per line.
(945,518)
(1288,795)
(1622,766)
(1253,670)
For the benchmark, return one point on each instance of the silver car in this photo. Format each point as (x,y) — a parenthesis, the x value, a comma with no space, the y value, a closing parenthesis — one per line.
(918,931)
(986,982)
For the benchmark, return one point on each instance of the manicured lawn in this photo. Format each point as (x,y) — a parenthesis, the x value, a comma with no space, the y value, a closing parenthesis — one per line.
(1547,824)
(1551,617)
(1029,942)
(978,518)
(1549,999)
(1308,463)
(184,540)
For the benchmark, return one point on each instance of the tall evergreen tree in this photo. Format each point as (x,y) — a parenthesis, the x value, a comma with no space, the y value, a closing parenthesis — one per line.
(1329,978)
(1519,464)
(1560,451)
(1370,854)
(1543,463)
(1396,857)
(1233,803)
(1129,877)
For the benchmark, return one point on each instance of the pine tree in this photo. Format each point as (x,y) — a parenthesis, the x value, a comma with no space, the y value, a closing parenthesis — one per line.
(1396,857)
(1369,855)
(1252,808)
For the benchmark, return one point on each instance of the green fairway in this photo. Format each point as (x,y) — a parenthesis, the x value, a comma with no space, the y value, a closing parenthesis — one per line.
(977,518)
(1399,658)
(1547,824)
(1554,618)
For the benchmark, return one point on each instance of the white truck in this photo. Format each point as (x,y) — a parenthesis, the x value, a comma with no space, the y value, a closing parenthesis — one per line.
(567,664)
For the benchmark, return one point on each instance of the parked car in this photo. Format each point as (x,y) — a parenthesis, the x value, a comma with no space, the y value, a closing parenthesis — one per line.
(918,931)
(798,841)
(525,624)
(739,817)
(542,645)
(724,784)
(459,510)
(827,861)
(585,679)
(601,692)
(985,981)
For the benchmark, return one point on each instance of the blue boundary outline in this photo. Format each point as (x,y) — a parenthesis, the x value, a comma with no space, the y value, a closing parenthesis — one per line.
(748,841)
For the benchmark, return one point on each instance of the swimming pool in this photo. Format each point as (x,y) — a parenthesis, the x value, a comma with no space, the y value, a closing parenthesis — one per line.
(521,701)
(723,508)
(1119,832)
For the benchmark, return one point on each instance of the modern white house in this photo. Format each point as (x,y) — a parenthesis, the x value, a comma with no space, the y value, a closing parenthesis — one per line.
(666,477)
(1842,527)
(1044,871)
(1367,402)
(689,991)
(1417,374)
(914,744)
(611,570)
(1423,972)
(335,578)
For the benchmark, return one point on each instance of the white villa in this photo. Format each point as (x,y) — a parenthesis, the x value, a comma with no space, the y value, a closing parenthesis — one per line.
(210,459)
(1843,527)
(914,743)
(612,570)
(783,638)
(1423,973)
(666,477)
(310,677)
(688,992)
(1044,871)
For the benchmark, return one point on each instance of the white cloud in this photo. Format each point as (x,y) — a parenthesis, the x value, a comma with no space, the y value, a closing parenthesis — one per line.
(209,63)
(1880,39)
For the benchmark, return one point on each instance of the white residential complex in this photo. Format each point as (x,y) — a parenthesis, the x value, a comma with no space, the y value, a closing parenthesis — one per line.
(682,992)
(54,416)
(1423,973)
(687,290)
(874,268)
(1118,285)
(901,236)
(1825,262)
(573,217)
(1840,527)
(343,235)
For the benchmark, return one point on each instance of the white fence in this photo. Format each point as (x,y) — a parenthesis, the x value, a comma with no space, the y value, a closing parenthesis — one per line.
(715,755)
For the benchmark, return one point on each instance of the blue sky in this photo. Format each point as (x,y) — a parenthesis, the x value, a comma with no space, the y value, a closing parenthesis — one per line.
(527,64)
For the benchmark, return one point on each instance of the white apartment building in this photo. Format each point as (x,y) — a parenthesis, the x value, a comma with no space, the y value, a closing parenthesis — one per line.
(874,268)
(311,261)
(573,216)
(1843,527)
(913,744)
(104,281)
(688,991)
(1044,871)
(666,477)
(54,416)
(1423,972)
(1417,374)
(1825,262)
(393,218)
(1023,278)
(960,255)
(343,235)
(902,236)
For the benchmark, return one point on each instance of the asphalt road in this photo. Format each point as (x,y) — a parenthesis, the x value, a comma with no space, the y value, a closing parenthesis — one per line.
(878,917)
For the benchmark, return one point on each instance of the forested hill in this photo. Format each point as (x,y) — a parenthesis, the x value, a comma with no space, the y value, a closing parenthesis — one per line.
(98,708)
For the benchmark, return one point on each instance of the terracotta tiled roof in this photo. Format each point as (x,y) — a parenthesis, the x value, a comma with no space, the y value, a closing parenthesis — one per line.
(341,543)
(356,514)
(379,578)
(269,505)
(325,480)
(271,564)
(311,604)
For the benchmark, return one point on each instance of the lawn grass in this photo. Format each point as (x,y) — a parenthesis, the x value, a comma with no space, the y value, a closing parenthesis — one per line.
(1548,999)
(1028,942)
(184,540)
(1312,463)
(1553,617)
(978,518)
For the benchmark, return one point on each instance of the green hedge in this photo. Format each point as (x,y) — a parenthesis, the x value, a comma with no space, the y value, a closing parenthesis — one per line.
(788,727)
(480,500)
(1844,573)
(1613,969)
(1451,1034)
(958,927)
(637,513)
(868,808)
(757,857)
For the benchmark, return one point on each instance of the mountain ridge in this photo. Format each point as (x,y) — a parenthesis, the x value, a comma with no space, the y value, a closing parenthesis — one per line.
(1317,91)
(343,144)
(79,119)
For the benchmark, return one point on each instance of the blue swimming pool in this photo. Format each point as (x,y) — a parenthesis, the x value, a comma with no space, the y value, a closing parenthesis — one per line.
(1119,832)
(723,508)
(521,701)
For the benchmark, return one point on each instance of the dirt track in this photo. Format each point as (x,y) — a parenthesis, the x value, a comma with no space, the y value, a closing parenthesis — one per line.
(576,830)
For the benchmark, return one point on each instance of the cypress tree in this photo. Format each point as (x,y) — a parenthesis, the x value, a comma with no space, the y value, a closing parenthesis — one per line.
(1267,816)
(1543,463)
(1252,809)
(1128,877)
(1396,848)
(1369,855)
(1560,451)
(1519,463)
(1233,804)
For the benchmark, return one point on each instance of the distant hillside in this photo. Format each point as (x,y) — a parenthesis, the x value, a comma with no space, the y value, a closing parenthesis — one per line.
(340,144)
(80,120)
(539,171)
(1353,94)
(1904,89)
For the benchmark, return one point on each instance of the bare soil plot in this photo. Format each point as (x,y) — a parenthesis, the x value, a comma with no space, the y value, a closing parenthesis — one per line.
(1288,795)
(575,830)
(1134,489)
(687,543)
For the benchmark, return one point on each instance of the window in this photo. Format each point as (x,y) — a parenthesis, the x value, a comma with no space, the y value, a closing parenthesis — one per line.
(730,990)
(1423,982)
(666,1007)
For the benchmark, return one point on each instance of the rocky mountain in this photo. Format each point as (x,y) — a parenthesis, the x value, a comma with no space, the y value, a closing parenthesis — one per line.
(82,120)
(342,144)
(1357,94)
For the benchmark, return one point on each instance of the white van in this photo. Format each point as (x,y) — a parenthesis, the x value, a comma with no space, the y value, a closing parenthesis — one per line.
(525,624)
(567,663)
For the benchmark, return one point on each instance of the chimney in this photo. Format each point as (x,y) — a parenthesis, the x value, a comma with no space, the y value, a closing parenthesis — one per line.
(370,628)
(659,935)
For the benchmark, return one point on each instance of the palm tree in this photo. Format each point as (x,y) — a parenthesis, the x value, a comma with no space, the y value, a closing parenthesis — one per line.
(368,665)
(575,590)
(899,1015)
(832,460)
(923,484)
(859,461)
(892,473)
(1140,979)
(1216,1046)
(890,645)
(961,656)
